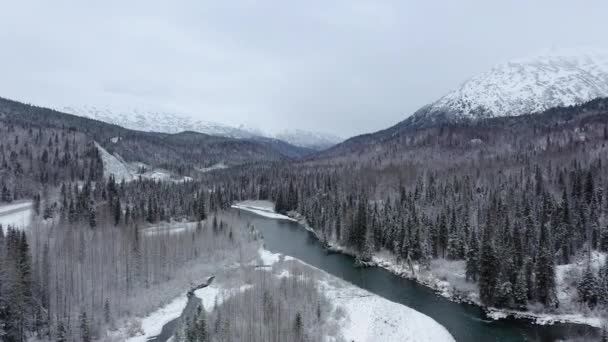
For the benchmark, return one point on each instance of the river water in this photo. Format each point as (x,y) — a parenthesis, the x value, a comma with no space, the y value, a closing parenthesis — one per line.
(465,322)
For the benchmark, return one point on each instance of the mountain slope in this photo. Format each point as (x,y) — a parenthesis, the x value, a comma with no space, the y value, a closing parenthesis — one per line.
(313,140)
(166,122)
(176,152)
(522,86)
(154,121)
(450,142)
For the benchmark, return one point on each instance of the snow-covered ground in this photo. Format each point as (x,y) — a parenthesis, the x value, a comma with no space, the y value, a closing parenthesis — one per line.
(367,316)
(169,228)
(152,324)
(113,164)
(218,166)
(262,208)
(18,215)
(372,318)
(447,278)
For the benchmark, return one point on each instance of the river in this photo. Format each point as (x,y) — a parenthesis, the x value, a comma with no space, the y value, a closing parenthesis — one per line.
(464,321)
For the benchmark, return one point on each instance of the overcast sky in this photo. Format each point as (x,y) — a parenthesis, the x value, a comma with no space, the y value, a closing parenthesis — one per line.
(342,67)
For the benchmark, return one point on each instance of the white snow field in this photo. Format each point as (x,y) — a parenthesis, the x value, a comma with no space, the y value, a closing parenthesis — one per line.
(530,85)
(169,228)
(366,317)
(369,317)
(262,208)
(114,165)
(218,166)
(152,324)
(18,215)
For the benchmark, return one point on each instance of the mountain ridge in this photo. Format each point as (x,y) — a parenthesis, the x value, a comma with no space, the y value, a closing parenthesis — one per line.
(168,122)
(522,86)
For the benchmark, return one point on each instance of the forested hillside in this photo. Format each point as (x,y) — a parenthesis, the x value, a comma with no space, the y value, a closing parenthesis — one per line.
(35,159)
(181,152)
(513,197)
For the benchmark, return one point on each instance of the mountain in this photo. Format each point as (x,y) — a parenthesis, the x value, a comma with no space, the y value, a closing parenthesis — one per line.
(155,121)
(167,122)
(181,152)
(313,140)
(522,86)
(519,87)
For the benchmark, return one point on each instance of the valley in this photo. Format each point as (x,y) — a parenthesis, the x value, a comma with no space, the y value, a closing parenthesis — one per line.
(281,172)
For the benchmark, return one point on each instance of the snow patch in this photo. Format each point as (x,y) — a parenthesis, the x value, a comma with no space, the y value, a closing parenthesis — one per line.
(114,165)
(269,258)
(154,322)
(373,318)
(527,85)
(17,215)
(218,166)
(262,211)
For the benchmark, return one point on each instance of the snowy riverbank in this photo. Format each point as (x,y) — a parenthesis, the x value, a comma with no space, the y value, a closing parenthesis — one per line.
(360,315)
(262,208)
(447,278)
(367,316)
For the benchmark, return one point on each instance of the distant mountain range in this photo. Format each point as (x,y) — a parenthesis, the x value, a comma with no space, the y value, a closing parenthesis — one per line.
(166,122)
(522,86)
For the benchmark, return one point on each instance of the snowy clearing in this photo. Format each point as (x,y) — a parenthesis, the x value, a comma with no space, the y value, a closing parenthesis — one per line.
(114,165)
(262,208)
(169,228)
(369,317)
(218,166)
(372,318)
(152,324)
(18,215)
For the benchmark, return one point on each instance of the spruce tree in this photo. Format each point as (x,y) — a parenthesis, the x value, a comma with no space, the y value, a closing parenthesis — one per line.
(472,265)
(520,290)
(298,327)
(85,329)
(488,272)
(61,332)
(588,288)
(92,215)
(545,271)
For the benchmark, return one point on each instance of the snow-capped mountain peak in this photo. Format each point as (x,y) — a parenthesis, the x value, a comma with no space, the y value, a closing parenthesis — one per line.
(166,122)
(155,121)
(525,85)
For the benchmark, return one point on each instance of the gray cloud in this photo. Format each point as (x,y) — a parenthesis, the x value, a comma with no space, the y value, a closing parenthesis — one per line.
(345,67)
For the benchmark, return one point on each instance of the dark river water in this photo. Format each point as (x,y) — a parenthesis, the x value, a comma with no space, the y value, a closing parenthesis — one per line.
(465,322)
